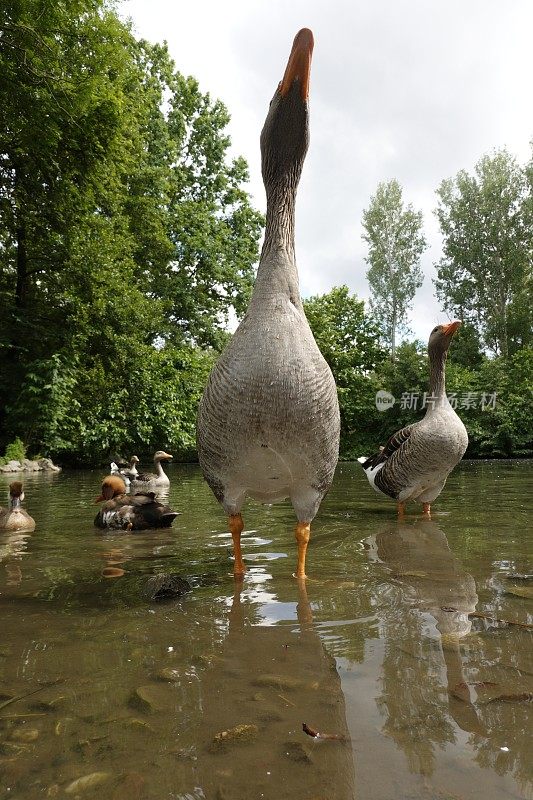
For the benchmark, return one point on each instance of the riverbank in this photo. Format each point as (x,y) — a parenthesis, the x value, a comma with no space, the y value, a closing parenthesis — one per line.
(28,465)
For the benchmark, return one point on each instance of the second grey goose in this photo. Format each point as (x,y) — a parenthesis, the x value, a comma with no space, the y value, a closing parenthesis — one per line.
(416,461)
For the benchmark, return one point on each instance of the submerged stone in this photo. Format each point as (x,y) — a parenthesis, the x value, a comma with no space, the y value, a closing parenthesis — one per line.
(168,674)
(240,734)
(151,698)
(131,787)
(296,751)
(11,749)
(520,591)
(271,715)
(24,735)
(49,704)
(165,586)
(139,724)
(285,682)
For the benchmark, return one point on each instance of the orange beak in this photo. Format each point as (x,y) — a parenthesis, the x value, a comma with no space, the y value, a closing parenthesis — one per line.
(299,64)
(449,330)
(99,498)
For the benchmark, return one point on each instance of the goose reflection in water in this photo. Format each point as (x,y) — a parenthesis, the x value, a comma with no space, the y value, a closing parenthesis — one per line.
(274,677)
(484,672)
(426,576)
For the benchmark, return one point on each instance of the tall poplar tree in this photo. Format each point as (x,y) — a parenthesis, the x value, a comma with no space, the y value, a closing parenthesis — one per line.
(395,241)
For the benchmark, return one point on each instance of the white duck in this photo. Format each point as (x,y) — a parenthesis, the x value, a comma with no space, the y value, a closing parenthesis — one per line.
(130,473)
(114,469)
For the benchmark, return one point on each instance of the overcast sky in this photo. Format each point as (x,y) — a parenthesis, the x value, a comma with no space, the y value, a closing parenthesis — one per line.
(408,89)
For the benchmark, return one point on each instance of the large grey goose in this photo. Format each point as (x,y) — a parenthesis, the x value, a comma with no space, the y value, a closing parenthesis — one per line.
(416,461)
(268,422)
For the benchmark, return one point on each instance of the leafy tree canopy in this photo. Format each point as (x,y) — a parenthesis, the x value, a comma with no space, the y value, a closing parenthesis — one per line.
(126,234)
(349,341)
(485,275)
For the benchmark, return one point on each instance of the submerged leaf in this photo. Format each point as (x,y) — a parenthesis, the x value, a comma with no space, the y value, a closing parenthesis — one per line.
(317,735)
(520,697)
(521,591)
(87,782)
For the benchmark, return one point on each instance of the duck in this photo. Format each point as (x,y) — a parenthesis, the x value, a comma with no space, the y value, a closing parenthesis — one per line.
(268,422)
(130,472)
(16,518)
(121,511)
(114,469)
(158,478)
(416,461)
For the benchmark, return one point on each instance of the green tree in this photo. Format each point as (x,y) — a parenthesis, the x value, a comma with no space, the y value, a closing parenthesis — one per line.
(349,341)
(467,349)
(396,242)
(205,230)
(502,425)
(69,137)
(484,276)
(125,233)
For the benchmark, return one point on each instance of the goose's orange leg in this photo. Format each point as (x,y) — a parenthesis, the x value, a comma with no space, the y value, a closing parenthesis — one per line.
(303,534)
(401,509)
(426,509)
(236,526)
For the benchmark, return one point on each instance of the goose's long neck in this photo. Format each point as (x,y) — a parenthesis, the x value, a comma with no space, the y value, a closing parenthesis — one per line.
(277,272)
(279,231)
(284,143)
(159,469)
(437,378)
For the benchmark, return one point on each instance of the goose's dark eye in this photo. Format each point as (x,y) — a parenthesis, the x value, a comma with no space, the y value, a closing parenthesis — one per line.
(435,329)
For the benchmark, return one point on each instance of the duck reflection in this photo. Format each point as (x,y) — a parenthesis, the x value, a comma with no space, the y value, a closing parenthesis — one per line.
(270,679)
(426,576)
(13,545)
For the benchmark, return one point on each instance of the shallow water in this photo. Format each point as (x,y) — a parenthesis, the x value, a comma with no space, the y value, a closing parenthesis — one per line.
(380,648)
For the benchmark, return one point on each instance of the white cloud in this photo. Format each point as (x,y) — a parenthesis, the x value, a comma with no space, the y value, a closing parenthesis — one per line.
(405,89)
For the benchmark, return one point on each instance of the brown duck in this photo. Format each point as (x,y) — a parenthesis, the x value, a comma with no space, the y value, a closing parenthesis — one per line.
(16,518)
(121,511)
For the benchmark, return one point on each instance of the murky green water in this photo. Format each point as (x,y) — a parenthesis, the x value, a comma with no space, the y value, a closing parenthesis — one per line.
(380,649)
